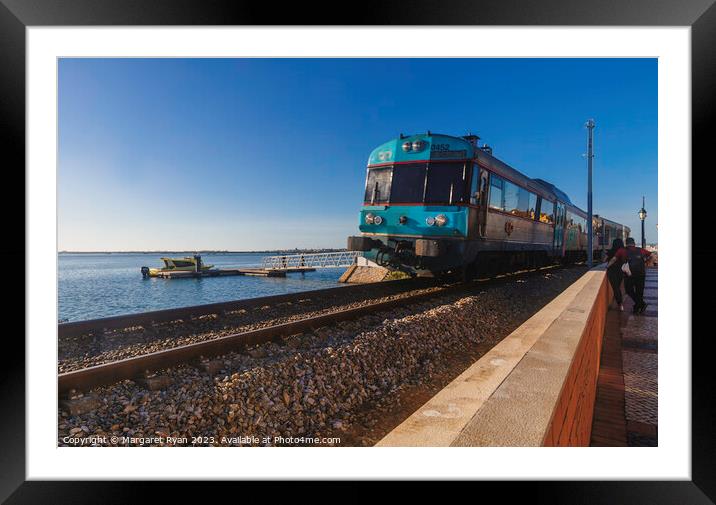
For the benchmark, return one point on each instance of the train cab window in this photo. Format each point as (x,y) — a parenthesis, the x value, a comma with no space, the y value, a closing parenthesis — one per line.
(496,192)
(408,184)
(377,187)
(446,183)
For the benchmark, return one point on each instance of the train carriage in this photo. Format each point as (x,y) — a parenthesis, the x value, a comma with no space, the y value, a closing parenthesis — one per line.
(436,203)
(605,231)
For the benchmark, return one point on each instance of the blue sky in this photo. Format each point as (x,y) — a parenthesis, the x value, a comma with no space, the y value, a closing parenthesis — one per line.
(249,154)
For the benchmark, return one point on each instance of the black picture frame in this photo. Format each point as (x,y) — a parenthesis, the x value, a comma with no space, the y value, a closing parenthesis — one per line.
(16,15)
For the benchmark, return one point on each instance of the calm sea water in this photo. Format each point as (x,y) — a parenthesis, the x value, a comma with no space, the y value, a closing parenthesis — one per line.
(103,285)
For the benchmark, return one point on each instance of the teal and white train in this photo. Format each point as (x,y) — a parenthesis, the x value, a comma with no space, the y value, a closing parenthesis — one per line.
(438,204)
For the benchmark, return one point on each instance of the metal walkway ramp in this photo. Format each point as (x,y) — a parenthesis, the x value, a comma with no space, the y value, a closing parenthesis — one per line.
(298,262)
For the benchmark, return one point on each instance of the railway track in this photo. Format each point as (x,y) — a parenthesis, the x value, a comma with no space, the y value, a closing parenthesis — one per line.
(144,365)
(96,327)
(102,345)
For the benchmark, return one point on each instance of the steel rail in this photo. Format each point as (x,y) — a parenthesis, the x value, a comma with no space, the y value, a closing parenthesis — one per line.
(104,374)
(130,368)
(78,328)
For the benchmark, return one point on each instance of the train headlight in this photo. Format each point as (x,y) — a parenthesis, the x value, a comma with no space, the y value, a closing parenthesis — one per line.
(441,219)
(430,221)
(371,218)
(418,145)
(407,146)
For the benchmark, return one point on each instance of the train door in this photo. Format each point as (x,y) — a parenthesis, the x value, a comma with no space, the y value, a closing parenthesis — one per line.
(484,186)
(479,185)
(559,221)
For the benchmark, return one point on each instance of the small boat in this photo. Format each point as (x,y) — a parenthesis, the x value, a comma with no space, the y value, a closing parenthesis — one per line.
(185,264)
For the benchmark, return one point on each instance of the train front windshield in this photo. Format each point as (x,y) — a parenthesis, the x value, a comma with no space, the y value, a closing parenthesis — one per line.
(437,183)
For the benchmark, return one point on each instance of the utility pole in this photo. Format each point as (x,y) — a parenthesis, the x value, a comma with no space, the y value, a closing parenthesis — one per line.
(590,154)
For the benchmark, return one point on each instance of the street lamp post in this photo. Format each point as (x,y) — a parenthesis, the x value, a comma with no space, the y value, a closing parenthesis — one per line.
(590,227)
(642,216)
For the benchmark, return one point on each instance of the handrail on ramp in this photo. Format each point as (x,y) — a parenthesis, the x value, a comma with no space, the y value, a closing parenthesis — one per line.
(312,260)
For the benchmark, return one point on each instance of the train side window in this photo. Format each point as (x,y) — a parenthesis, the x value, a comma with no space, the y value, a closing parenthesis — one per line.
(517,200)
(511,198)
(496,192)
(537,208)
(523,202)
(532,206)
(547,212)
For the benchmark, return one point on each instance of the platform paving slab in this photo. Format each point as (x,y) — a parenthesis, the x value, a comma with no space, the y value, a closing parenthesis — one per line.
(632,407)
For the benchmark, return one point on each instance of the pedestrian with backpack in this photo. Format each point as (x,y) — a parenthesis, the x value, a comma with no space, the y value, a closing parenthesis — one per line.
(634,281)
(616,257)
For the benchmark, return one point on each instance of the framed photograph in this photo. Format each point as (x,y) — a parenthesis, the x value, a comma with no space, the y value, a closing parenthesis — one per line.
(423,246)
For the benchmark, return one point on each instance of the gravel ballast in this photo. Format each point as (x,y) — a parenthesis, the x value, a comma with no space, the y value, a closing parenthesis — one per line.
(329,387)
(89,350)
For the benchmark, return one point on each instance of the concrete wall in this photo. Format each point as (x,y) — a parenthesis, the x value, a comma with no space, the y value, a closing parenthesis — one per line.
(571,423)
(536,387)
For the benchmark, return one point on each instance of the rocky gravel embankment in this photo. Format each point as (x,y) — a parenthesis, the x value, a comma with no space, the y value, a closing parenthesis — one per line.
(314,385)
(85,351)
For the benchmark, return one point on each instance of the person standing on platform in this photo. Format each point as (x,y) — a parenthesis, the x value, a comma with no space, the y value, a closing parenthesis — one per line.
(634,283)
(616,257)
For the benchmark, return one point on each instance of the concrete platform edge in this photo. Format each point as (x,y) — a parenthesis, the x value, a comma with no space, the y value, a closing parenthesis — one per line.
(496,401)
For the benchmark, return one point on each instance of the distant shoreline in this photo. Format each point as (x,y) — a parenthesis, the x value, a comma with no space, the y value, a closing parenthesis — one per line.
(189,251)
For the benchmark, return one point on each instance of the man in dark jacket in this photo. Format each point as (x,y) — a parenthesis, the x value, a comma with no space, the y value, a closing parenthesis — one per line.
(634,283)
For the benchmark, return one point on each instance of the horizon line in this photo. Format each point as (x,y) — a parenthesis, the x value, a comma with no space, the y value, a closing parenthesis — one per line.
(201,250)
